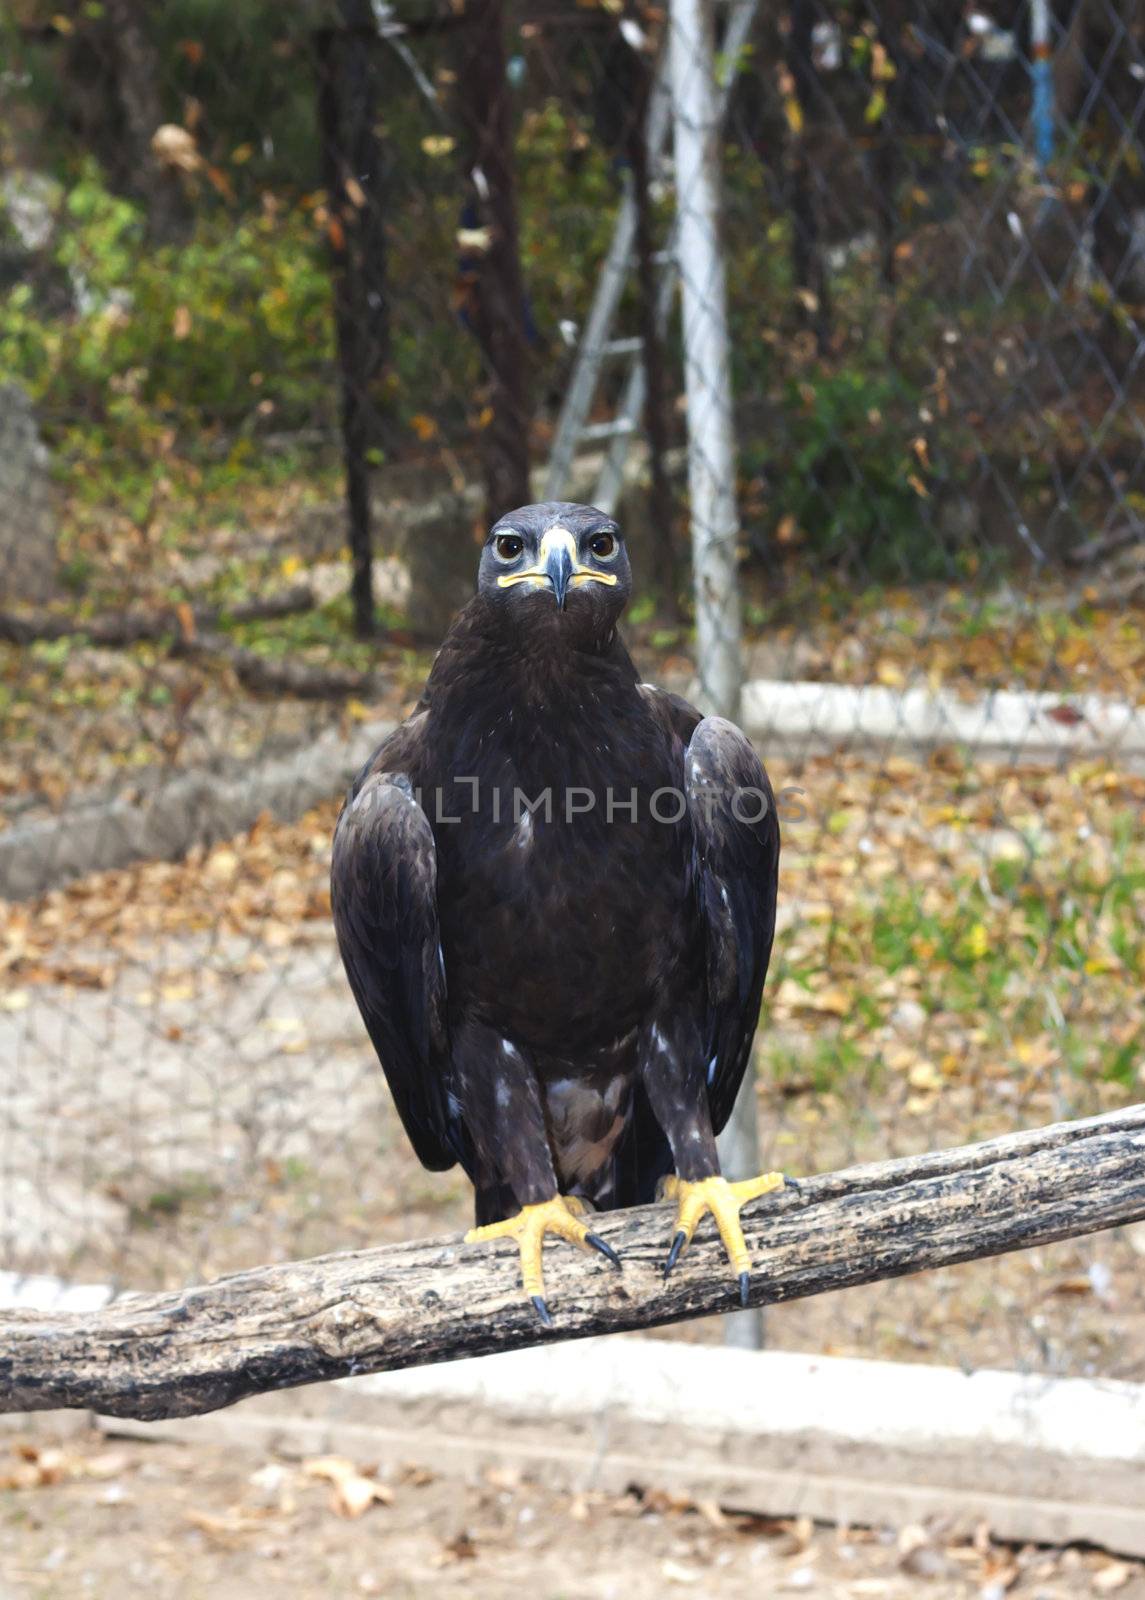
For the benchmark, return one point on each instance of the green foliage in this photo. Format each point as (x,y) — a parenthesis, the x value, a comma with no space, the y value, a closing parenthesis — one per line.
(250,62)
(190,337)
(568,199)
(850,474)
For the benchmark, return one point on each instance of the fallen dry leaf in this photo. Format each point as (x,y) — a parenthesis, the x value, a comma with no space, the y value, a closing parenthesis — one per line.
(352,1492)
(1079,1285)
(108,1464)
(461,1547)
(227,1528)
(40,1469)
(676,1572)
(666,1502)
(1115,1576)
(713,1513)
(507,1478)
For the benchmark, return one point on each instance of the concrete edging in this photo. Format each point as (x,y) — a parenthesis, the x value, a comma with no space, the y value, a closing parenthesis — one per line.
(1039,1458)
(786,718)
(196,808)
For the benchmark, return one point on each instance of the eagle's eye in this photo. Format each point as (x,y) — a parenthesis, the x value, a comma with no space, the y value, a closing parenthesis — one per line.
(603,545)
(509,546)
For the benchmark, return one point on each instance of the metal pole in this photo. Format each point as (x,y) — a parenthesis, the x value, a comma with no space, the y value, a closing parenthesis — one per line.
(1042,73)
(711,450)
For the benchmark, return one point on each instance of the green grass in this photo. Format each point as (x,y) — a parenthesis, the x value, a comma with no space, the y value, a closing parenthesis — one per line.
(1040,947)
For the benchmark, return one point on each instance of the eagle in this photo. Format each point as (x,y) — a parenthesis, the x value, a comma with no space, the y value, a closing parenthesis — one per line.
(554,891)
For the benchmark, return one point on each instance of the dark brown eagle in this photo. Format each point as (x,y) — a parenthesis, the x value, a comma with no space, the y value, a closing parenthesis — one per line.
(554,892)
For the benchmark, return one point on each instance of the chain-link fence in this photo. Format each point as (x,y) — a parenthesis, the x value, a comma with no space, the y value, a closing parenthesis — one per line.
(282,287)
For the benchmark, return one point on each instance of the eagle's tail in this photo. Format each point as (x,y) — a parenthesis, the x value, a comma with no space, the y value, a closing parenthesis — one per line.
(642,1158)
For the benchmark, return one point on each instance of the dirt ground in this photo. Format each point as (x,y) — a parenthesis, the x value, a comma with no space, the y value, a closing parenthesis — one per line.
(104,1518)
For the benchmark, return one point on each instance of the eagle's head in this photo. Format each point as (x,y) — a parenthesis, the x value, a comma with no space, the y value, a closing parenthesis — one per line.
(557,563)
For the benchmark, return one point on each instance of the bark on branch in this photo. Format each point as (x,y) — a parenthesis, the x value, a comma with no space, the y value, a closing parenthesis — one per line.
(118,629)
(177,1354)
(269,675)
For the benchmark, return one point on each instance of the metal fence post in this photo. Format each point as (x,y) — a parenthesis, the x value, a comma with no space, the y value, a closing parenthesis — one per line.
(1042,73)
(711,452)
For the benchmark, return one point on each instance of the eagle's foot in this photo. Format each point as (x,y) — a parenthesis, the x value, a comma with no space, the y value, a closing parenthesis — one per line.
(723,1200)
(560,1215)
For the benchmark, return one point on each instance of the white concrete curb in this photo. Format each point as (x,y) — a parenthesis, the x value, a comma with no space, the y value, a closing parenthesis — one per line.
(773,1392)
(1006,724)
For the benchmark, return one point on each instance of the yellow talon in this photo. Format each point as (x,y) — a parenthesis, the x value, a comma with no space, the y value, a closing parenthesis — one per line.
(723,1200)
(560,1215)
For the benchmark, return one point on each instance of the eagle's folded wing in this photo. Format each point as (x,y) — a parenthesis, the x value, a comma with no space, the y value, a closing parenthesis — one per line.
(735,834)
(383,884)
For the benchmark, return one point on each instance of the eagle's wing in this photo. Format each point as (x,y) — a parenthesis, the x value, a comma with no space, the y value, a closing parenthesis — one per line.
(735,861)
(735,846)
(383,892)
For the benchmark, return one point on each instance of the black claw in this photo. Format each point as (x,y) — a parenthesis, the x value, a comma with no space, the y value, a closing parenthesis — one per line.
(606,1250)
(744,1286)
(542,1310)
(678,1244)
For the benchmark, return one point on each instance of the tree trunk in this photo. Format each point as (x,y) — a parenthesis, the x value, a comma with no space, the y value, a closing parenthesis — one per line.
(137,82)
(352,173)
(496,300)
(806,249)
(661,508)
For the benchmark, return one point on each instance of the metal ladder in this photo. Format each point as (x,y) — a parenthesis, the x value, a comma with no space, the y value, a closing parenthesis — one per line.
(597,346)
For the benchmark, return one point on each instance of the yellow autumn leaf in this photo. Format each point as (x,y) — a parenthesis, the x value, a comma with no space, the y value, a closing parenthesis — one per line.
(1098,964)
(831,1001)
(176,992)
(977,942)
(925,1077)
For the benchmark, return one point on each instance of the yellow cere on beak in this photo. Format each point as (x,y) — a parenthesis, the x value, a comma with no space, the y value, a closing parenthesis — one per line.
(558,550)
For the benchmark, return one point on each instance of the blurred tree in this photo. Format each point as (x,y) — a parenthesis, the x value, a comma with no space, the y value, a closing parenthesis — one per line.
(661,504)
(495,301)
(137,82)
(806,246)
(352,169)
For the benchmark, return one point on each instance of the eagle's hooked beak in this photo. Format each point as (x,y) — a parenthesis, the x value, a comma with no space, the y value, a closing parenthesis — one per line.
(557,559)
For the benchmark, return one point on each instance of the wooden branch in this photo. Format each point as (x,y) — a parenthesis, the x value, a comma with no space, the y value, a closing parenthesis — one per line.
(279,675)
(178,1354)
(116,629)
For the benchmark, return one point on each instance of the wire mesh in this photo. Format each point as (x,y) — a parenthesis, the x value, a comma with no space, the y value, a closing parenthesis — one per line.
(291,300)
